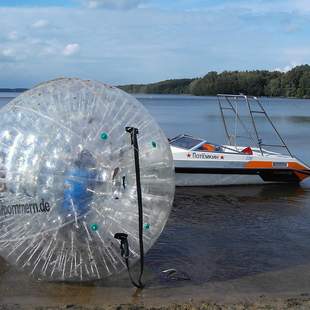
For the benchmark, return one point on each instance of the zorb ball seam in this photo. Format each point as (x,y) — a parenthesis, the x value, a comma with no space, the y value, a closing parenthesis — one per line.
(68,184)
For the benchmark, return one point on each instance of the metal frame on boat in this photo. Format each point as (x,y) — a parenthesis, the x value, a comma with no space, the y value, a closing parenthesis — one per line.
(199,162)
(249,102)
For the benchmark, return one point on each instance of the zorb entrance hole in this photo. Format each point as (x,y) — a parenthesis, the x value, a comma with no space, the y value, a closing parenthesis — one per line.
(68,181)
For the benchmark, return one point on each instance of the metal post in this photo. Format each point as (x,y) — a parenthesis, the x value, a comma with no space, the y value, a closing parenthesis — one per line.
(223,120)
(254,126)
(273,126)
(231,107)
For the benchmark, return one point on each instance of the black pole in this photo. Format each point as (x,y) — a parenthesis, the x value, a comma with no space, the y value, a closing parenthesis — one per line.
(134,142)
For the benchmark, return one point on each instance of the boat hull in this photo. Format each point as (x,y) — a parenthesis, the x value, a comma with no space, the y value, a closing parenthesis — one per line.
(188,179)
(217,177)
(215,169)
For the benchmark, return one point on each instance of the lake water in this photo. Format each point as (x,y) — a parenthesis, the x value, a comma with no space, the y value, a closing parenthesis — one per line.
(231,232)
(230,240)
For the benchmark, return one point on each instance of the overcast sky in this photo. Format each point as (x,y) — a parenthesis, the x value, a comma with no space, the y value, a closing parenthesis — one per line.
(141,41)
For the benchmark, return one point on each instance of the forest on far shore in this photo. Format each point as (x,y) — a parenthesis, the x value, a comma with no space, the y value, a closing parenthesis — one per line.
(294,83)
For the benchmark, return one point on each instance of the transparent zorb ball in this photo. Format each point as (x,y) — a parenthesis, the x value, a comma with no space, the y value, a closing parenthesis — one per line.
(68,184)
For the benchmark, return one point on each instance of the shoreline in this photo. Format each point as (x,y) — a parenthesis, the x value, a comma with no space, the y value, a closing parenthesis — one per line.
(298,302)
(161,94)
(282,289)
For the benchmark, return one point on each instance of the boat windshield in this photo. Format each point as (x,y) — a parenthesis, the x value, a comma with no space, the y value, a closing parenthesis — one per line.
(185,142)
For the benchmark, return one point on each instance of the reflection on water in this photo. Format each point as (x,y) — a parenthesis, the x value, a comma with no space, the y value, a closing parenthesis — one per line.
(226,233)
(299,119)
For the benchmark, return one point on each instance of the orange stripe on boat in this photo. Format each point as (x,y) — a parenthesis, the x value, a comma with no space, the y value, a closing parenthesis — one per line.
(268,164)
(298,166)
(258,164)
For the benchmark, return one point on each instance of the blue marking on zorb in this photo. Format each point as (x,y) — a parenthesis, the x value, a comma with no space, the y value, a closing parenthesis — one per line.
(79,185)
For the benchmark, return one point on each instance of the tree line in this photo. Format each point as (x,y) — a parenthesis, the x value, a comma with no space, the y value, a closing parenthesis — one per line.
(294,83)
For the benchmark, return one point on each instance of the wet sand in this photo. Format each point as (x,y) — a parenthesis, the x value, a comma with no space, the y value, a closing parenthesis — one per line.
(285,289)
(258,268)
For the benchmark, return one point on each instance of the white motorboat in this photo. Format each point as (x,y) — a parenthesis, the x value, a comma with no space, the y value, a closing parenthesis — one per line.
(199,162)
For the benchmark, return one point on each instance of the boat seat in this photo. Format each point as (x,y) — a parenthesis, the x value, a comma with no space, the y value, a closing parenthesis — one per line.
(208,147)
(247,151)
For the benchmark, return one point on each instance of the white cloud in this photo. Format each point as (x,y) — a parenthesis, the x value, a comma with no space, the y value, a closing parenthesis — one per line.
(287,68)
(113,4)
(302,5)
(41,23)
(71,49)
(291,28)
(298,52)
(258,6)
(8,52)
(144,45)
(48,50)
(13,35)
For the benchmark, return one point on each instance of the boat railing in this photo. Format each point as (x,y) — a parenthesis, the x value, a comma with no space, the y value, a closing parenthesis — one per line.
(226,104)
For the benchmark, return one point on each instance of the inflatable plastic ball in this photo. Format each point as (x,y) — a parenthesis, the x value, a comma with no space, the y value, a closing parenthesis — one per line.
(68,182)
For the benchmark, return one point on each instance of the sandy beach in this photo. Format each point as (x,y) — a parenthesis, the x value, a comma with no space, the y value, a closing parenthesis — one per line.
(287,289)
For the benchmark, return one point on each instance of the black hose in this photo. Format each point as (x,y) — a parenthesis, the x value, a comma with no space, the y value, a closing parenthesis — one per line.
(123,237)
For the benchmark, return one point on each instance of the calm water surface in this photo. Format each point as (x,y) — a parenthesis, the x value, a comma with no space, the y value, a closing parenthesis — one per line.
(225,233)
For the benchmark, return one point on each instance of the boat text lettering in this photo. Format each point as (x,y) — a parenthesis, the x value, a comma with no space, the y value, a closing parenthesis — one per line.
(204,156)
